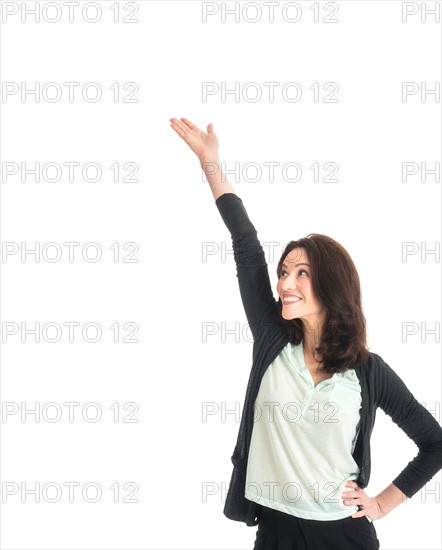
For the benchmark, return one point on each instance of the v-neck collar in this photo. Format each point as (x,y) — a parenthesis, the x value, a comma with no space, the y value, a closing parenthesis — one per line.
(305,372)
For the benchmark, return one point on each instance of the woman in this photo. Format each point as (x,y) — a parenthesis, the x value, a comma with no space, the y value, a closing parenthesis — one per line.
(302,458)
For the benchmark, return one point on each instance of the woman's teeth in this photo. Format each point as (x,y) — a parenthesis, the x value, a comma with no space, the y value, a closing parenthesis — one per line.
(290,301)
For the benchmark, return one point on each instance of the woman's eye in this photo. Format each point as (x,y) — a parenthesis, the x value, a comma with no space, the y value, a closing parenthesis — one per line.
(300,271)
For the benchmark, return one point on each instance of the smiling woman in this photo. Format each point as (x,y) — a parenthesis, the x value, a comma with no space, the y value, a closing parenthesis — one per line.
(299,473)
(329,314)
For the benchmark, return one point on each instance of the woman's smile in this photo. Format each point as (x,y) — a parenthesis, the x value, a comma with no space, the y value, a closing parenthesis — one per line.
(291,302)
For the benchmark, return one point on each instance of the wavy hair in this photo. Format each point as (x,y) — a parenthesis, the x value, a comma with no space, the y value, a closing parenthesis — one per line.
(336,284)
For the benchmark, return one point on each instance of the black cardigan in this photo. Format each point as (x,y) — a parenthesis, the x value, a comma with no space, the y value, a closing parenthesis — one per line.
(380,385)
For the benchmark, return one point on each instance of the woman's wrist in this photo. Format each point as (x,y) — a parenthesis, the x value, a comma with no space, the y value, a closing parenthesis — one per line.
(389,498)
(218,182)
(209,160)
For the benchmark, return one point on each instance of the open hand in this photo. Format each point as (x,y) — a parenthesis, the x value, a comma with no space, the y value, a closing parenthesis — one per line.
(369,506)
(204,145)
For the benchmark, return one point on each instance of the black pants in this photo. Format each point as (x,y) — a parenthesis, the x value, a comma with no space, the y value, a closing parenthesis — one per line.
(280,531)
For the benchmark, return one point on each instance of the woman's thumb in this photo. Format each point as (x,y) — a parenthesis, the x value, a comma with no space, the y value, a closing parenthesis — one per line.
(210,128)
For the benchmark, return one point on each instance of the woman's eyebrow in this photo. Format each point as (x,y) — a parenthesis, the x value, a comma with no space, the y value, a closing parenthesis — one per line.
(296,265)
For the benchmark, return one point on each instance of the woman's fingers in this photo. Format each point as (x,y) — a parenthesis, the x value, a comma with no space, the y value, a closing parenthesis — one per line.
(203,144)
(180,125)
(189,124)
(186,128)
(183,124)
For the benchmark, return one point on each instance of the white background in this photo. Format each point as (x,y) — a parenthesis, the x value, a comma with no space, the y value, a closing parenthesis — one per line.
(171,453)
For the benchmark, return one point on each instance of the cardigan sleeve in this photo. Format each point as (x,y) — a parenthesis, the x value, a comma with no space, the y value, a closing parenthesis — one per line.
(259,304)
(396,400)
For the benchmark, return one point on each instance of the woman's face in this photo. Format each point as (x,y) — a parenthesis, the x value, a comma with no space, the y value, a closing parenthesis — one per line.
(296,280)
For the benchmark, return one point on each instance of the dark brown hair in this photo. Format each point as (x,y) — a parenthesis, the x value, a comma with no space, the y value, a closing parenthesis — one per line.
(335,283)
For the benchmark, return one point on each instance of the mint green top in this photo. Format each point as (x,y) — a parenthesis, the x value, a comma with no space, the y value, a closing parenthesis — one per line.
(303,437)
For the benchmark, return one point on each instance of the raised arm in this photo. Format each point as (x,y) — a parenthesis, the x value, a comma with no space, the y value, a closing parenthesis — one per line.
(260,306)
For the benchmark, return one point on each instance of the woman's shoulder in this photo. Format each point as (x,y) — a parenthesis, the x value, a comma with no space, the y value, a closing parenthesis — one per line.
(373,365)
(371,360)
(378,371)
